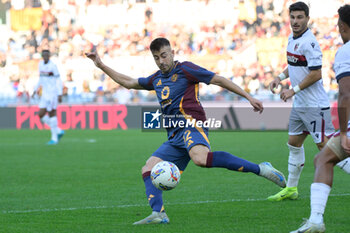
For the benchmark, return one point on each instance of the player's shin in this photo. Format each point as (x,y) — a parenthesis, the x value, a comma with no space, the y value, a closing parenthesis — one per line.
(153,194)
(319,197)
(45,120)
(296,162)
(231,162)
(53,127)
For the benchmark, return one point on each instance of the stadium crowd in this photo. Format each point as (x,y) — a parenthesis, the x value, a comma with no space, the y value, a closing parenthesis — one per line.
(243,40)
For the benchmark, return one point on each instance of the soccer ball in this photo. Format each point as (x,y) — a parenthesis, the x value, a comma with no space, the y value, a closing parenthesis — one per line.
(165,175)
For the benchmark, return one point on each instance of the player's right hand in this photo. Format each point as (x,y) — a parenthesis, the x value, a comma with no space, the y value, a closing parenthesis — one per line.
(95,58)
(257,105)
(274,84)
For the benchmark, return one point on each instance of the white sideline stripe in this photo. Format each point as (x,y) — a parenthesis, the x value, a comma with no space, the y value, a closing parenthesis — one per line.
(43,143)
(140,205)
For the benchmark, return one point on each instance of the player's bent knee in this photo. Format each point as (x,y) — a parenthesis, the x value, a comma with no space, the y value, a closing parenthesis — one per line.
(325,157)
(199,159)
(145,169)
(199,154)
(150,163)
(198,162)
(296,140)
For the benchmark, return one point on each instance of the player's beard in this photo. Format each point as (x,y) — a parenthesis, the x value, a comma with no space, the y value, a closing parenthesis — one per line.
(299,29)
(163,68)
(166,68)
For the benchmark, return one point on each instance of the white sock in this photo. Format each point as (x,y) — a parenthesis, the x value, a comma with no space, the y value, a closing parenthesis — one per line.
(45,120)
(53,126)
(296,162)
(59,130)
(319,195)
(345,165)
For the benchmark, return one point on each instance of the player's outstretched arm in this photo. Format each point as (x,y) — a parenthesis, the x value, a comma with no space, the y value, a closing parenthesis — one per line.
(124,80)
(227,84)
(344,111)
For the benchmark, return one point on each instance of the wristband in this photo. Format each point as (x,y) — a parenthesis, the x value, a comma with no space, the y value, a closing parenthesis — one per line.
(282,76)
(296,89)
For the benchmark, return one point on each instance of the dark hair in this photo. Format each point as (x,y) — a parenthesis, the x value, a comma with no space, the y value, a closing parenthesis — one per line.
(158,43)
(299,6)
(344,14)
(45,51)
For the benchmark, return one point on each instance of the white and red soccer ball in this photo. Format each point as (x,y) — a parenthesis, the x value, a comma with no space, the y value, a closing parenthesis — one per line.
(165,175)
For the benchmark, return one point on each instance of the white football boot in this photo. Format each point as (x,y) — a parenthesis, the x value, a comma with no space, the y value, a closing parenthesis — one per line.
(309,227)
(154,218)
(272,174)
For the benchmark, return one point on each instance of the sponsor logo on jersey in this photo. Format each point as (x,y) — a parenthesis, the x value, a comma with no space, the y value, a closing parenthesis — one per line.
(296,60)
(292,59)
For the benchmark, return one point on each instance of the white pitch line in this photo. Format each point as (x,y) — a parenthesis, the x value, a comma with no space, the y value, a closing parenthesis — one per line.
(140,205)
(69,209)
(36,143)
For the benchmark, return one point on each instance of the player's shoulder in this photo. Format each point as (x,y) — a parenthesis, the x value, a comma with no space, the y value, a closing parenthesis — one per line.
(309,42)
(188,64)
(310,37)
(341,62)
(290,37)
(155,75)
(343,52)
(345,48)
(52,63)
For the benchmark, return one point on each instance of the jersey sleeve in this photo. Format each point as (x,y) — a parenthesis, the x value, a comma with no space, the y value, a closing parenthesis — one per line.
(342,64)
(38,84)
(196,73)
(55,71)
(147,83)
(313,54)
(41,73)
(59,85)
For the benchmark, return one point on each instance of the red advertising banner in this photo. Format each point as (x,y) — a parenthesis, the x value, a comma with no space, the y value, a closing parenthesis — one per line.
(110,116)
(103,117)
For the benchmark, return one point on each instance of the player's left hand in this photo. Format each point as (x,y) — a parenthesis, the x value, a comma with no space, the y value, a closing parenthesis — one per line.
(60,99)
(257,105)
(287,94)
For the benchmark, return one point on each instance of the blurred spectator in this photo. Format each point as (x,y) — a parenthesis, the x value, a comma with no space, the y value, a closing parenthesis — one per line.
(244,41)
(122,95)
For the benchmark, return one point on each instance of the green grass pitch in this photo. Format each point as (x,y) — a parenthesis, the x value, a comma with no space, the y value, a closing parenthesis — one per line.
(91,182)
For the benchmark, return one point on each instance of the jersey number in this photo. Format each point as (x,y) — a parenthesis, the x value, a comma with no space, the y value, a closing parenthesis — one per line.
(314,124)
